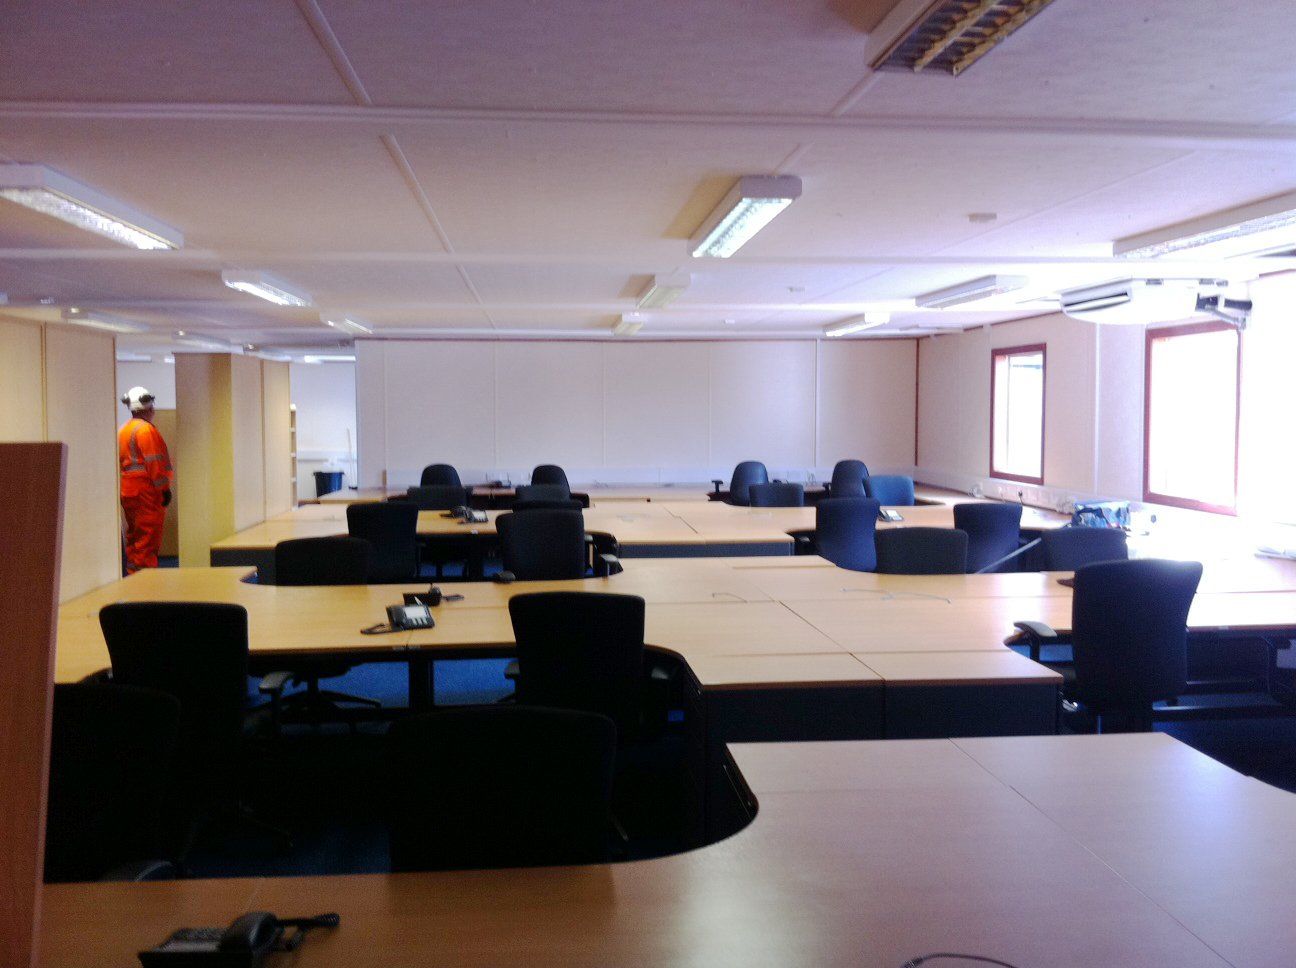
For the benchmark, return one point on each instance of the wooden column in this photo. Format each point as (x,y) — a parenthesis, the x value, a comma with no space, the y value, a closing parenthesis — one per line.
(31,526)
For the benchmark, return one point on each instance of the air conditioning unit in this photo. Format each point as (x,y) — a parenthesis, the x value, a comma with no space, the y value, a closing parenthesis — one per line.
(1133,302)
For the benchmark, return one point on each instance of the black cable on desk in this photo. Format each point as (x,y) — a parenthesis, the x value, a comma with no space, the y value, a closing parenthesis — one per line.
(955,956)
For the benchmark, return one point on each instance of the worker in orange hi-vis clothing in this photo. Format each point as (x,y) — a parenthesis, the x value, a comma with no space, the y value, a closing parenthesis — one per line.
(146,479)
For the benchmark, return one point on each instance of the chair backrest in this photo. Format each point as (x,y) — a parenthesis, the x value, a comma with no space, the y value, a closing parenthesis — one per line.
(581,650)
(848,478)
(844,529)
(542,492)
(781,495)
(110,754)
(746,474)
(551,474)
(337,560)
(391,527)
(1066,549)
(993,530)
(543,545)
(196,652)
(438,497)
(890,490)
(440,474)
(501,786)
(1129,630)
(921,551)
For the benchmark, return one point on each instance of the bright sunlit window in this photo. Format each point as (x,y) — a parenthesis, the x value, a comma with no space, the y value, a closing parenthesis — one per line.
(1017,413)
(1190,456)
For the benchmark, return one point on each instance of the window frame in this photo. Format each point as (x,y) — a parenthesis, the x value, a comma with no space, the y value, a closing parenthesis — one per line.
(1008,351)
(1170,332)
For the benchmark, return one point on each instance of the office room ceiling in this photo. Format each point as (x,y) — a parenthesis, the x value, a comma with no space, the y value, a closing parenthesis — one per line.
(521,169)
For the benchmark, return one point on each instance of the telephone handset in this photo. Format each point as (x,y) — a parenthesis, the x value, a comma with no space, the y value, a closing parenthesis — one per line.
(244,944)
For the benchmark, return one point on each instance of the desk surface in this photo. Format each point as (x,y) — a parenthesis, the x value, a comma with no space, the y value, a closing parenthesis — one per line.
(1075,851)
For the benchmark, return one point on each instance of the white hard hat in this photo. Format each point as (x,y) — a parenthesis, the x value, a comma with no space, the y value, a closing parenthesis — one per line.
(137,398)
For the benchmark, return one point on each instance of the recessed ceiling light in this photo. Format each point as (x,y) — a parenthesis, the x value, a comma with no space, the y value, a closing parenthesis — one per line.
(970,291)
(264,286)
(1256,229)
(189,338)
(51,193)
(105,321)
(327,358)
(748,207)
(664,290)
(856,324)
(628,325)
(347,325)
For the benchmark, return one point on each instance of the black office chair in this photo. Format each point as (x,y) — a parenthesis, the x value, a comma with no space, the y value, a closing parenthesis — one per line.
(1066,549)
(844,532)
(994,533)
(890,490)
(543,545)
(551,474)
(780,495)
(504,786)
(335,560)
(582,650)
(921,551)
(746,474)
(111,754)
(542,492)
(198,653)
(1130,639)
(440,475)
(391,528)
(848,479)
(438,497)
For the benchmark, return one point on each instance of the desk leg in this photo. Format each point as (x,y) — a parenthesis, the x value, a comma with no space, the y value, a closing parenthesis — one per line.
(422,680)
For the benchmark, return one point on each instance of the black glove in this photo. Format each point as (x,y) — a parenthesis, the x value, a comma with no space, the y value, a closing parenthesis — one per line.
(166,499)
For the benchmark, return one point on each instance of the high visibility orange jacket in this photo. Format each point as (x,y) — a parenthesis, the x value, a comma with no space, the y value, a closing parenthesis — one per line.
(144,458)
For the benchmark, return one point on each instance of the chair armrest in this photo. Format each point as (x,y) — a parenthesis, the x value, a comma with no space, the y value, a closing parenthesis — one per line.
(605,566)
(274,683)
(718,484)
(512,670)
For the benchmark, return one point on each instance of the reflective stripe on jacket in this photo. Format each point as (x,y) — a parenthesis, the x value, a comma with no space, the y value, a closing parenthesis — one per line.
(143,453)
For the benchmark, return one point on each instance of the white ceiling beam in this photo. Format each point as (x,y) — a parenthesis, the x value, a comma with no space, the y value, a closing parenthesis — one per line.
(1185,135)
(647,263)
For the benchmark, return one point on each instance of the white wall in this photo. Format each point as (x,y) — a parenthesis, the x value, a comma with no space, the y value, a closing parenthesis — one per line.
(1093,444)
(631,412)
(155,376)
(325,397)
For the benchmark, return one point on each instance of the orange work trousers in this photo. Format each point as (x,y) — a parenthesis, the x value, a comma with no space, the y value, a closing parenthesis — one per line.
(142,505)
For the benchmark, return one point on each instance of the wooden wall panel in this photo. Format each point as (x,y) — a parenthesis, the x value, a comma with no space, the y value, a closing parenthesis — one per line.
(203,448)
(80,410)
(165,421)
(246,405)
(277,437)
(22,390)
(31,534)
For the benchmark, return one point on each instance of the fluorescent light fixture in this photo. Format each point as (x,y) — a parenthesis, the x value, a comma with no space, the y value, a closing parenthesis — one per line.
(272,356)
(105,321)
(125,356)
(970,291)
(748,207)
(628,325)
(345,324)
(189,338)
(856,324)
(1257,229)
(664,290)
(264,286)
(315,358)
(46,191)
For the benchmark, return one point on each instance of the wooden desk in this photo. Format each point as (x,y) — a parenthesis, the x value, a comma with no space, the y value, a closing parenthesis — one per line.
(861,854)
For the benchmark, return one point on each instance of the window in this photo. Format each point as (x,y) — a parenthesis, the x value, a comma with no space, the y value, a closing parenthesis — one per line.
(1017,413)
(1190,428)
